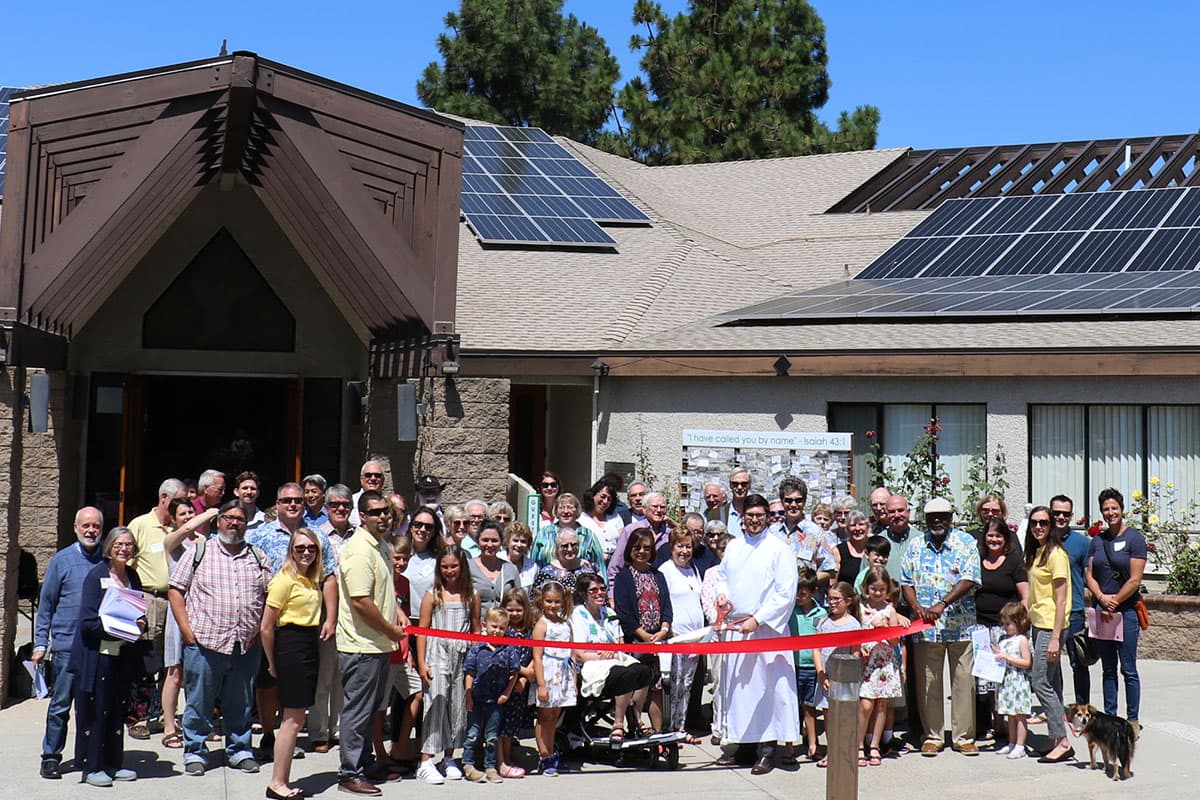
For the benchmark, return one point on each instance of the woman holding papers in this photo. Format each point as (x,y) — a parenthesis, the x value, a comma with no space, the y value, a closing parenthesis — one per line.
(104,661)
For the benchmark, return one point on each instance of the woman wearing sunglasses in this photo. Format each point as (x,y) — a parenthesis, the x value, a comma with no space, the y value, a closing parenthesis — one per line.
(290,635)
(1049,603)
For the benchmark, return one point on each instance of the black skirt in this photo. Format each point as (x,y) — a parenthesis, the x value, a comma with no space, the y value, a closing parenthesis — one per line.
(296,664)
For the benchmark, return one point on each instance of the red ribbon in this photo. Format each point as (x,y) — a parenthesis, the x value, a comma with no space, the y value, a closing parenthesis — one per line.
(772,645)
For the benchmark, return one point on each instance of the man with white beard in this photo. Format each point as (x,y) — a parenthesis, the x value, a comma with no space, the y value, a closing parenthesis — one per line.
(758,579)
(57,621)
(217,594)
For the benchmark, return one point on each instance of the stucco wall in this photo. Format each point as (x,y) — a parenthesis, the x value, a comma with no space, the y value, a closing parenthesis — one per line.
(656,410)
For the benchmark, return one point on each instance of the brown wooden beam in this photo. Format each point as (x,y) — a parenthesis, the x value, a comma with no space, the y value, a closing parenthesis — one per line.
(395,257)
(56,105)
(16,208)
(873,365)
(132,174)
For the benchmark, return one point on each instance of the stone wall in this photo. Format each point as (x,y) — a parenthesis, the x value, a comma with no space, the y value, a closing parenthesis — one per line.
(463,436)
(10,459)
(1174,632)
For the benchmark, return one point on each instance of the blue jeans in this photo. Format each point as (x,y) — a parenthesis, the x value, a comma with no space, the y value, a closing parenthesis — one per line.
(1080,674)
(58,714)
(209,676)
(1126,651)
(484,717)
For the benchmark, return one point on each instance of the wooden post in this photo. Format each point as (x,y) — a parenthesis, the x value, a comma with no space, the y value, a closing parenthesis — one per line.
(841,727)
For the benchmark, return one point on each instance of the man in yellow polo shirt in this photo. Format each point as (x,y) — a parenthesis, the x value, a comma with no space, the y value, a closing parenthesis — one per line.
(152,567)
(369,626)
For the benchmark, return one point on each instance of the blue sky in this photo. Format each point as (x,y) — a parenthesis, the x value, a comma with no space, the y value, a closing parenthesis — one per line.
(944,73)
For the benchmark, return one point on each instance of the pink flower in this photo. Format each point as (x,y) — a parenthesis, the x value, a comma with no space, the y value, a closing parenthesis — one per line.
(870,434)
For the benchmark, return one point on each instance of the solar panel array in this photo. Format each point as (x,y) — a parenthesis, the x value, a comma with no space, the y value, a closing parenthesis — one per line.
(1135,251)
(5,94)
(522,187)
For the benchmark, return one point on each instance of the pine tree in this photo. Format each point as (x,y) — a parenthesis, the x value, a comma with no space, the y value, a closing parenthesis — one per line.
(733,79)
(522,62)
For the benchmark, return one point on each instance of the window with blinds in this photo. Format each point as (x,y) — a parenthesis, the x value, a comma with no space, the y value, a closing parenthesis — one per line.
(1079,450)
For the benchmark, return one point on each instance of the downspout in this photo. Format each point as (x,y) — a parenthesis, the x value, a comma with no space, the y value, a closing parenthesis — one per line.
(598,368)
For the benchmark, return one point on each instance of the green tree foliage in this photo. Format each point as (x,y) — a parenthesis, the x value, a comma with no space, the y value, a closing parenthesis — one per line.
(522,62)
(734,79)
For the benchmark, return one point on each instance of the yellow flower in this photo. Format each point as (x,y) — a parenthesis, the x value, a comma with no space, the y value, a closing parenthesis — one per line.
(1137,494)
(1170,484)
(1153,519)
(1154,480)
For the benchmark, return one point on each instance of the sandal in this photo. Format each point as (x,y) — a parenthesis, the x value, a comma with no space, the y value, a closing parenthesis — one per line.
(876,757)
(617,736)
(824,762)
(862,761)
(689,739)
(139,730)
(172,740)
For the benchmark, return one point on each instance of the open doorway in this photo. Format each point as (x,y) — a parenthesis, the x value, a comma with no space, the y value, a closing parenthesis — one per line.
(230,424)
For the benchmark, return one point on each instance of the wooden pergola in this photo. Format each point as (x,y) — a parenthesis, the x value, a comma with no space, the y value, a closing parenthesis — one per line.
(367,190)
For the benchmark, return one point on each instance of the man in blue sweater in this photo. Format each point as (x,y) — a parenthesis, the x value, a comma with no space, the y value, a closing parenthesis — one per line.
(57,619)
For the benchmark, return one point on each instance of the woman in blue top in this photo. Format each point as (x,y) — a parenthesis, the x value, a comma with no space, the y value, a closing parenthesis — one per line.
(1114,577)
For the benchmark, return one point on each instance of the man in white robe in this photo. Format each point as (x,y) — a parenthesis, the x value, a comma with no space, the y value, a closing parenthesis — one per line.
(759,576)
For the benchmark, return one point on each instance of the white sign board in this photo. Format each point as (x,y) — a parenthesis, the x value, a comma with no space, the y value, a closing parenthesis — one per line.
(766,440)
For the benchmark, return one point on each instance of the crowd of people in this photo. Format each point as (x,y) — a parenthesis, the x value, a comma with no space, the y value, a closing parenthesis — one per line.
(297,617)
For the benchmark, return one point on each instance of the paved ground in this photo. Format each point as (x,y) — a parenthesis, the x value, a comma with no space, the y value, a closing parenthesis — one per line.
(1167,767)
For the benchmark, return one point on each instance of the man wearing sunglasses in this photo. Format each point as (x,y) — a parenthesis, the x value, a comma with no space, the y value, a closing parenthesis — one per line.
(370,478)
(1079,551)
(273,538)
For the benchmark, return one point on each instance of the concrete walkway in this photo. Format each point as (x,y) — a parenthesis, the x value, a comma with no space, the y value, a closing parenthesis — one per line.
(1167,766)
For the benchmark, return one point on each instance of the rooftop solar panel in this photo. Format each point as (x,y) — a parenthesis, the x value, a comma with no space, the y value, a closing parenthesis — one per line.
(5,94)
(522,187)
(1118,252)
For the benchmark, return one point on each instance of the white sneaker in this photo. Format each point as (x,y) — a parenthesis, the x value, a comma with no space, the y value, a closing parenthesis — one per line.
(450,767)
(428,772)
(1017,752)
(1008,748)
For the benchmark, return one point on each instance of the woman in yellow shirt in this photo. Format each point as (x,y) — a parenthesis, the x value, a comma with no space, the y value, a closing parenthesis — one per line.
(290,635)
(1049,601)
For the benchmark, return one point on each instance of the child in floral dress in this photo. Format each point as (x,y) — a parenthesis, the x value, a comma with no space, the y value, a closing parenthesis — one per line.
(1014,697)
(882,679)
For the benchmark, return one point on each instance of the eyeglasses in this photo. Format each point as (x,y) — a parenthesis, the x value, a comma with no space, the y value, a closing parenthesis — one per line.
(420,526)
(338,504)
(570,546)
(377,512)
(460,523)
(595,590)
(373,476)
(779,514)
(123,546)
(793,501)
(305,548)
(290,501)
(1039,523)
(1063,514)
(233,519)
(755,515)
(740,484)
(550,484)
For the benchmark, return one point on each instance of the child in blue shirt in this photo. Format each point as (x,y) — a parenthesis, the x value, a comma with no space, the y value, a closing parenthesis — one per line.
(491,676)
(805,618)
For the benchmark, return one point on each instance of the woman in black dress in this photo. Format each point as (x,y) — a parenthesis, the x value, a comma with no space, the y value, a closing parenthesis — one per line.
(104,666)
(1003,581)
(852,550)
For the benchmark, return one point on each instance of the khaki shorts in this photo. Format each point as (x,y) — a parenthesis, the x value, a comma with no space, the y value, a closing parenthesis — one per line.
(404,679)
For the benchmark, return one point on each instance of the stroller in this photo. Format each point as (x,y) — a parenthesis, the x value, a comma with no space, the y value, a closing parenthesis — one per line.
(589,729)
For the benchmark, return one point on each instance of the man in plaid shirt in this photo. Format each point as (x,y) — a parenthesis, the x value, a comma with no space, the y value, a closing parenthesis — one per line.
(218,595)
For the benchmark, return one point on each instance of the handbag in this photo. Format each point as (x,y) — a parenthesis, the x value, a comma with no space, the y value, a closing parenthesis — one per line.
(1084,649)
(1143,614)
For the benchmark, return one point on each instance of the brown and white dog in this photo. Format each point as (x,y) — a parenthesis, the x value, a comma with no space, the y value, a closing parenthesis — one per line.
(1114,736)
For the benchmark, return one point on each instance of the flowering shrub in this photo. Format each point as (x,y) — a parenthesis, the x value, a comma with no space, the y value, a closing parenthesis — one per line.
(921,475)
(981,481)
(1167,524)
